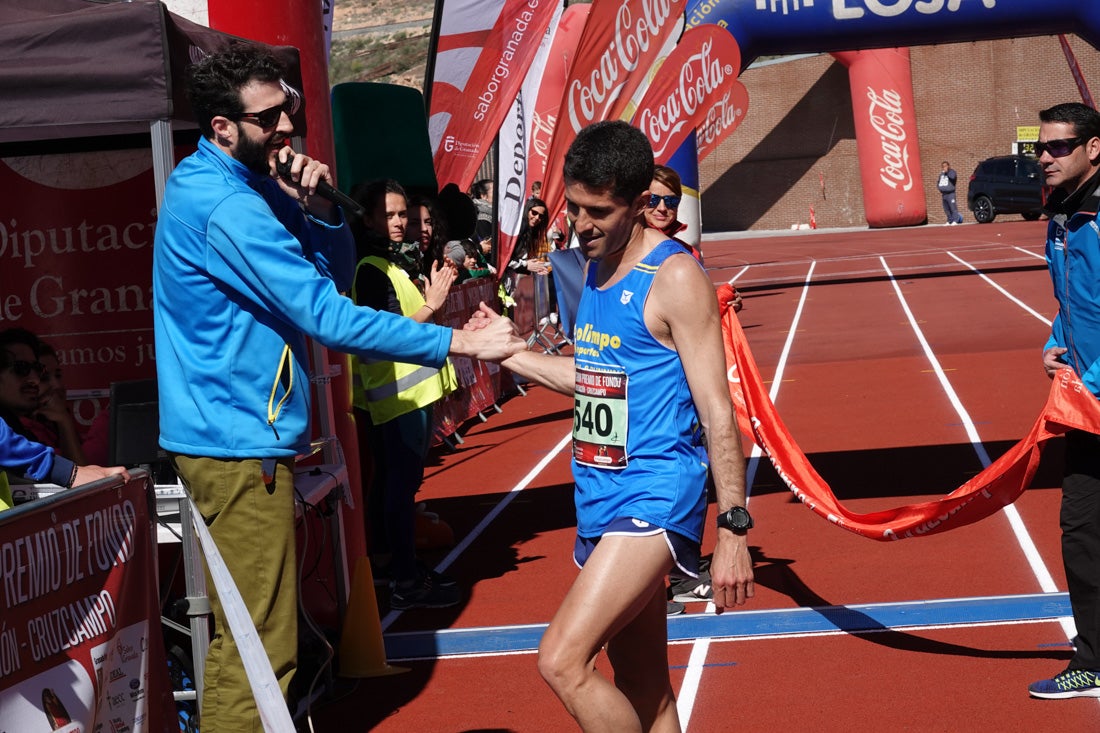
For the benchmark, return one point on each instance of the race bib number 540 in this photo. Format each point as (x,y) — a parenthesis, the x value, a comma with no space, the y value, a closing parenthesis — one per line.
(600,418)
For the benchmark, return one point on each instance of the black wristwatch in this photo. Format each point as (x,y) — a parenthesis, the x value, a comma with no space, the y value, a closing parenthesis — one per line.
(736,519)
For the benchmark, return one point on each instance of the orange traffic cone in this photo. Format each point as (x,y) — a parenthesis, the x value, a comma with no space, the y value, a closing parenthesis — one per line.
(362,653)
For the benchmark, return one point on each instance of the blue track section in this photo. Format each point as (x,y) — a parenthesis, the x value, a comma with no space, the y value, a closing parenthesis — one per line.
(856,619)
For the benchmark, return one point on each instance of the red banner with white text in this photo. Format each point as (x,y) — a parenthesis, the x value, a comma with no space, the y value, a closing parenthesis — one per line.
(482,54)
(1070,406)
(621,41)
(696,88)
(80,644)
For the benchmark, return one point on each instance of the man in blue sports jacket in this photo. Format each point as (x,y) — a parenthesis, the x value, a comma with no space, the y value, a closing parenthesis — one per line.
(247,264)
(1069,152)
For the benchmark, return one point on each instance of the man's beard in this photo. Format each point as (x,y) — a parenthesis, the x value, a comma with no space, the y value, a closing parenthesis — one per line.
(253,155)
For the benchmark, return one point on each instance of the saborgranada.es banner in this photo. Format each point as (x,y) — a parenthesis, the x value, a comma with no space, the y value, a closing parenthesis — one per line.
(621,42)
(481,57)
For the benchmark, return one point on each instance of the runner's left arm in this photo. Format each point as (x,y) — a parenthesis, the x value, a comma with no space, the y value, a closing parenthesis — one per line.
(684,303)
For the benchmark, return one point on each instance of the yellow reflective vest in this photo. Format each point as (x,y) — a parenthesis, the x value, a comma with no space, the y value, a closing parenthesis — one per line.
(389,389)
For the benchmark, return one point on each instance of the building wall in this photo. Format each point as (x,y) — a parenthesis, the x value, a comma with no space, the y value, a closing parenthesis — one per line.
(796,149)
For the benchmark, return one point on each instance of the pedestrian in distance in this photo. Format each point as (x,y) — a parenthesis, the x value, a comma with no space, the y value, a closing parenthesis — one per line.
(946,185)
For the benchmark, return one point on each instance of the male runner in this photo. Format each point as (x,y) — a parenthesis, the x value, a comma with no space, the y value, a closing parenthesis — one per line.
(651,401)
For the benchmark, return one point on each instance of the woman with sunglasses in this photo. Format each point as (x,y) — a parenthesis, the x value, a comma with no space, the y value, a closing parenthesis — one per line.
(531,244)
(665,194)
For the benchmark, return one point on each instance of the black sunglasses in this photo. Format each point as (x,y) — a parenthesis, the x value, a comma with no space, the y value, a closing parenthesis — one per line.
(22,369)
(671,202)
(268,118)
(1058,148)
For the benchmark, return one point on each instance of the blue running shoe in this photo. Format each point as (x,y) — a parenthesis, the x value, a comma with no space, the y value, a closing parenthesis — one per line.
(1071,683)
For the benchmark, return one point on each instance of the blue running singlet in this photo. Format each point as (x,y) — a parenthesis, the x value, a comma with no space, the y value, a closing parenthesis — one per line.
(637,442)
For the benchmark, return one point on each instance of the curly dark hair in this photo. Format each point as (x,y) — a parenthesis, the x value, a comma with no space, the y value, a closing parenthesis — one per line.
(611,155)
(16,335)
(214,84)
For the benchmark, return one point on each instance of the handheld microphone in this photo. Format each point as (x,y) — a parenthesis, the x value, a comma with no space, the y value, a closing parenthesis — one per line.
(324,190)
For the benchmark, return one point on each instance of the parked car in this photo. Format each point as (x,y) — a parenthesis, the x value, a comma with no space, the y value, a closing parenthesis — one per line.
(1006,184)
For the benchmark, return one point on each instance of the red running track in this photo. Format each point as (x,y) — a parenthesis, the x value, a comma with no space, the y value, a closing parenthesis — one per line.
(840,318)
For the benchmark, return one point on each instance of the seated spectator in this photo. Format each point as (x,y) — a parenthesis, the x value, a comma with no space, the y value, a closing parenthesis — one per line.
(394,403)
(52,422)
(20,379)
(49,421)
(54,407)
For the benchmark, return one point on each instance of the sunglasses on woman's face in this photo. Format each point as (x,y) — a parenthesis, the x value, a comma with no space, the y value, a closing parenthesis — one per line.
(671,202)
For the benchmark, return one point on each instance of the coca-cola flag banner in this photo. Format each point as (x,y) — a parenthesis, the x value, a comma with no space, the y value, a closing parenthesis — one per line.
(81,647)
(481,57)
(1069,406)
(696,86)
(620,43)
(514,150)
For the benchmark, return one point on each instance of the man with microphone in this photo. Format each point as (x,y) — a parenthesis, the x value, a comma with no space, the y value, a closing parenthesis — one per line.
(248,262)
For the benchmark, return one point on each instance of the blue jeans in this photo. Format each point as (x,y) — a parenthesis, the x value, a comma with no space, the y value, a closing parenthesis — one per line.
(950,208)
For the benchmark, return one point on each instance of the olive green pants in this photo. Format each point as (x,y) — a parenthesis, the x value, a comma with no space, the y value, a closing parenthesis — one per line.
(252,524)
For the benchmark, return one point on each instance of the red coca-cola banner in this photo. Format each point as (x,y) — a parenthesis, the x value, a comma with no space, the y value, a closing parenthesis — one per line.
(621,41)
(696,88)
(1070,406)
(886,136)
(80,644)
(467,111)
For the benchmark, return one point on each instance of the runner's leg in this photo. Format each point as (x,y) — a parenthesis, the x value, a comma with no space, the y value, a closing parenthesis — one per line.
(639,656)
(620,579)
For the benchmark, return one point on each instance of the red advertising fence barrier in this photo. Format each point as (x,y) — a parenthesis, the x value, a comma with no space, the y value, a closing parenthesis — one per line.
(480,383)
(80,644)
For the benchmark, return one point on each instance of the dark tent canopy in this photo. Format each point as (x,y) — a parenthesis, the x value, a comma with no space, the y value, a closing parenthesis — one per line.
(80,68)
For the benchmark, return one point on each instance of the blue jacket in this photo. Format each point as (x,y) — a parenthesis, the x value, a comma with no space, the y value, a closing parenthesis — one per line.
(32,460)
(1073,256)
(240,277)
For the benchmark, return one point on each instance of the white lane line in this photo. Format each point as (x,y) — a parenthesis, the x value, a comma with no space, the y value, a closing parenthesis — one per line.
(1027,545)
(742,271)
(1032,254)
(454,554)
(685,698)
(1001,290)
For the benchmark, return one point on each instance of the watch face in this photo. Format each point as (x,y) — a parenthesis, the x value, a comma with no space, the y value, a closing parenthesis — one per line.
(737,519)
